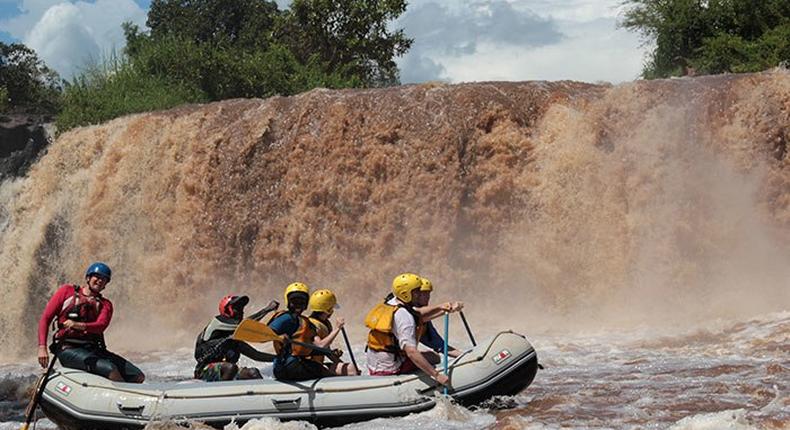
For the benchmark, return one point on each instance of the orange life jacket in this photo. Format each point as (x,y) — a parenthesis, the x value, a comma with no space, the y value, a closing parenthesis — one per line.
(305,334)
(322,328)
(380,320)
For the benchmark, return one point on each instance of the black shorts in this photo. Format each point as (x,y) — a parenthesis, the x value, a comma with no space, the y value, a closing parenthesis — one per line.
(301,370)
(98,361)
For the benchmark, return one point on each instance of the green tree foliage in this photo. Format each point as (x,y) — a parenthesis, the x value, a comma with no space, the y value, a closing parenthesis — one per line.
(221,70)
(711,36)
(115,88)
(242,23)
(349,33)
(28,83)
(208,50)
(3,99)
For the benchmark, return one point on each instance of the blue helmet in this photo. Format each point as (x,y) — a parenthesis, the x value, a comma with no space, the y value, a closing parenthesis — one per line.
(99,269)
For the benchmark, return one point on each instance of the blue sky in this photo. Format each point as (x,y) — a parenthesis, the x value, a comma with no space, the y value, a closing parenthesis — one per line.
(454,40)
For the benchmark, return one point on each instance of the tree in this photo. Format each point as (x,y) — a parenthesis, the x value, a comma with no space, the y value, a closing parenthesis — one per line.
(28,83)
(710,36)
(3,99)
(342,37)
(242,23)
(349,34)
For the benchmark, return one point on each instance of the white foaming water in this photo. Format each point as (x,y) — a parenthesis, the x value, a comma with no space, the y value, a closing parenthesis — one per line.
(724,420)
(718,376)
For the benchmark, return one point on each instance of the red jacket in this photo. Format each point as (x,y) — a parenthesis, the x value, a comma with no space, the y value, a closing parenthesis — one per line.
(96,314)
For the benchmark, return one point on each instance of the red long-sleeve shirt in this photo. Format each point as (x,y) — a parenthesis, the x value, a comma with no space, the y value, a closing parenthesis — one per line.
(55,309)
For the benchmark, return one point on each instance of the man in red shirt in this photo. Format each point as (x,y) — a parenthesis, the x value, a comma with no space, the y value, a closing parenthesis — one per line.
(82,316)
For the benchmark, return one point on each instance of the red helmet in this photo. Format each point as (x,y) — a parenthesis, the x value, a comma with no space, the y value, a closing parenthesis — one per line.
(229,305)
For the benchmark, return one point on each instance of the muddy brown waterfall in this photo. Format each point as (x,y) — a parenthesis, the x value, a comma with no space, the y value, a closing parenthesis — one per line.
(566,204)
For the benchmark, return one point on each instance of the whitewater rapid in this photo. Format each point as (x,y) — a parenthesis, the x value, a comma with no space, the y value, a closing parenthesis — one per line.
(720,375)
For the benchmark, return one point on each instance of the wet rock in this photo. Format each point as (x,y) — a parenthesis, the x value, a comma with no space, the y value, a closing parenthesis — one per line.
(23,138)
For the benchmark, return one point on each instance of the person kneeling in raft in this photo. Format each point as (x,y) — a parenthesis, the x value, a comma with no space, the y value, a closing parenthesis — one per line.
(322,304)
(217,352)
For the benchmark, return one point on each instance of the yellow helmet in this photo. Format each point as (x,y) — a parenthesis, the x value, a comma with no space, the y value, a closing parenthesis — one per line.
(296,287)
(323,301)
(426,285)
(404,284)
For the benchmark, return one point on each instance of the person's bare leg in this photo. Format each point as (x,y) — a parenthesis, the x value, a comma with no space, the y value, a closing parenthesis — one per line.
(249,373)
(115,375)
(228,371)
(343,369)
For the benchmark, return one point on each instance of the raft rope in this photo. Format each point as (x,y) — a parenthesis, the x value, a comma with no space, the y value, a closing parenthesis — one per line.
(319,390)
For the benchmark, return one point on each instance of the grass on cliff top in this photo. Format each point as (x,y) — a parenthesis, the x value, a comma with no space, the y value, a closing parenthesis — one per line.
(116,88)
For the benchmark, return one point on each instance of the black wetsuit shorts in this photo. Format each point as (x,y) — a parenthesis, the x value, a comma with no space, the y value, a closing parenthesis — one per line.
(300,370)
(98,361)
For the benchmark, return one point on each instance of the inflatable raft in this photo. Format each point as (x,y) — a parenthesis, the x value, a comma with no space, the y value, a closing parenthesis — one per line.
(504,365)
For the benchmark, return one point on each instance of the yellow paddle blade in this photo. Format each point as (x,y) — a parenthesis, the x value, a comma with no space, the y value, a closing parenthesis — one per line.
(256,332)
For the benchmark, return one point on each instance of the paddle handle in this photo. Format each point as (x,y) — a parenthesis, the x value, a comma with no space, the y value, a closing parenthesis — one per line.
(446,341)
(31,408)
(468,330)
(348,346)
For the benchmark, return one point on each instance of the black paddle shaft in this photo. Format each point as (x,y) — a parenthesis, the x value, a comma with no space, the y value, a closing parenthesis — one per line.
(348,345)
(468,330)
(31,408)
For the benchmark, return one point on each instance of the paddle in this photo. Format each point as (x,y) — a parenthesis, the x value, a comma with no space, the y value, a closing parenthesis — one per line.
(258,332)
(468,331)
(348,345)
(42,382)
(446,341)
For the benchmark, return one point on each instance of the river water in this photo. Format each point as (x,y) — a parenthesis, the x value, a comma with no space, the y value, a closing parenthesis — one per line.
(723,375)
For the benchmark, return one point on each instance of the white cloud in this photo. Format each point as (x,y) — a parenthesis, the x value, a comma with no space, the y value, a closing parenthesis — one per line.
(67,34)
(591,52)
(518,40)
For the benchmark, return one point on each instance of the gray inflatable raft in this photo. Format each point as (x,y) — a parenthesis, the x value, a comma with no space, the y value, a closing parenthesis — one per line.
(504,365)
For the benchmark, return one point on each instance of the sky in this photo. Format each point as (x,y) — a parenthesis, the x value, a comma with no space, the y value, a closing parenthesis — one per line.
(454,41)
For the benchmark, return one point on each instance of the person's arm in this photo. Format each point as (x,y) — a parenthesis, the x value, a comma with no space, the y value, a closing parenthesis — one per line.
(249,351)
(101,323)
(403,326)
(417,358)
(325,342)
(50,312)
(428,313)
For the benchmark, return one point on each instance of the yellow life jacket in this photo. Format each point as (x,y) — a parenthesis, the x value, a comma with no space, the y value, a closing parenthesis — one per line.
(379,320)
(322,330)
(305,334)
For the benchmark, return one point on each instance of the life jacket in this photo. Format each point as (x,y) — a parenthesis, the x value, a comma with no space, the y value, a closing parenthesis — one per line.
(79,308)
(215,343)
(322,329)
(305,333)
(380,321)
